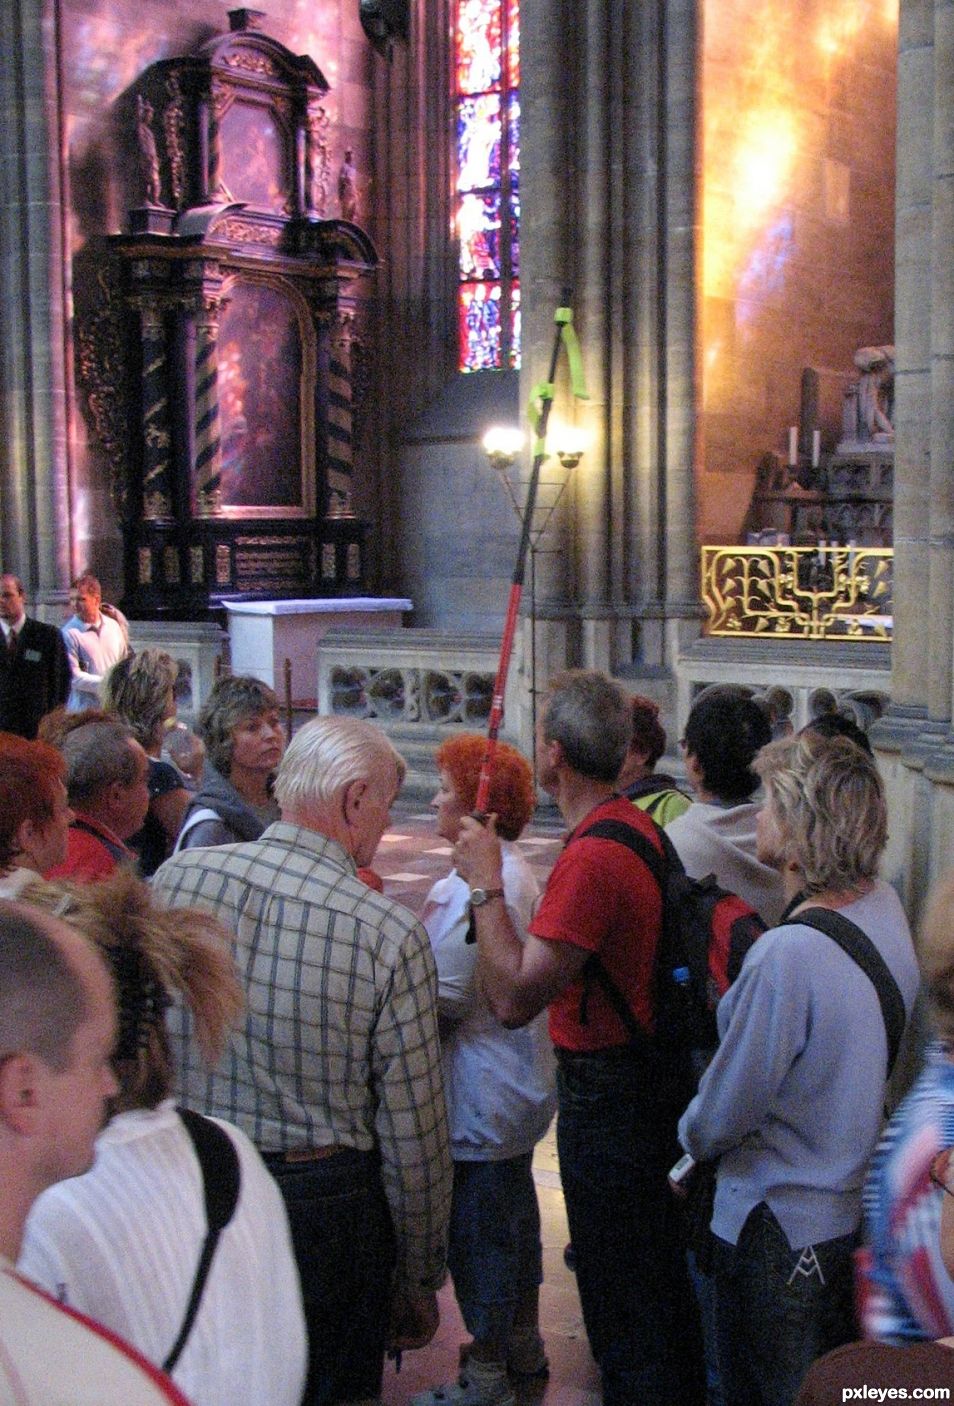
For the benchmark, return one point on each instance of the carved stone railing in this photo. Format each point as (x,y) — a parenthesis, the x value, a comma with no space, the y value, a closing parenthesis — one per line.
(408,679)
(411,695)
(816,593)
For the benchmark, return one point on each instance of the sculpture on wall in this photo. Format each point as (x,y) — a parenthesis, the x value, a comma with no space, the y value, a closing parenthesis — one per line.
(148,153)
(347,187)
(869,402)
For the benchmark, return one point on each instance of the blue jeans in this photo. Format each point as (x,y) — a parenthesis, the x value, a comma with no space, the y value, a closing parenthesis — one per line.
(778,1309)
(616,1138)
(494,1250)
(344,1248)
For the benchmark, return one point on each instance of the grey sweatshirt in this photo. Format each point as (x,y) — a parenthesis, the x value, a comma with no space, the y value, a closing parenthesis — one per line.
(794,1096)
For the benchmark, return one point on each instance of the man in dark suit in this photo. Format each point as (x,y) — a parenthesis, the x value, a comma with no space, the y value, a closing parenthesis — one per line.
(34,668)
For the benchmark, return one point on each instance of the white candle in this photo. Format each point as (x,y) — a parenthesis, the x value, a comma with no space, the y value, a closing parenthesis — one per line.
(816,447)
(793,446)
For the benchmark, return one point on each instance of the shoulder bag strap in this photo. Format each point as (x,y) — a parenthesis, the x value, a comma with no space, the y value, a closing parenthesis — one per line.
(859,947)
(221,1179)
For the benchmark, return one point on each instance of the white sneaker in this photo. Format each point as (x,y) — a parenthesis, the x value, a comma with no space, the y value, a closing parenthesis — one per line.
(492,1390)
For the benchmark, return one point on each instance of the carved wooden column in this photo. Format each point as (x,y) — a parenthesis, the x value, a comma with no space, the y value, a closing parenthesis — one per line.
(207,461)
(156,431)
(340,412)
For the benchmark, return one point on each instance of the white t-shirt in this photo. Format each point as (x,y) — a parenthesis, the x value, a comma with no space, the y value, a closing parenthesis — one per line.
(49,1357)
(499,1084)
(122,1244)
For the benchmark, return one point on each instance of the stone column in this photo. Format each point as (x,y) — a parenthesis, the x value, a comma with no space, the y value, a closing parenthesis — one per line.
(34,475)
(912,476)
(941,599)
(677,121)
(548,178)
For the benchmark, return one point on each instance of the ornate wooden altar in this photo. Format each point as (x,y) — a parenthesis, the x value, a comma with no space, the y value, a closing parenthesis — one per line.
(240,307)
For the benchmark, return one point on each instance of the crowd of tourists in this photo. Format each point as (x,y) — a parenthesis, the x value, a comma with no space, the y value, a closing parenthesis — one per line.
(252,1109)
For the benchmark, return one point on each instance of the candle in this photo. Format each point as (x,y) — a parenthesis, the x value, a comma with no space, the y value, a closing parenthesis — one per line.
(793,446)
(816,447)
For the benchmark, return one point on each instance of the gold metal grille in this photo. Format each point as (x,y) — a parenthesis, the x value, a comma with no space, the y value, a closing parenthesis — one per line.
(816,593)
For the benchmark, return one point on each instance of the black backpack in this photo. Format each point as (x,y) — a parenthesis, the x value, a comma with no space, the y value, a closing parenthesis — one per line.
(706,932)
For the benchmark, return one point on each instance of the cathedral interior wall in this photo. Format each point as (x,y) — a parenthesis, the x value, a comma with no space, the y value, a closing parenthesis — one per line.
(796,258)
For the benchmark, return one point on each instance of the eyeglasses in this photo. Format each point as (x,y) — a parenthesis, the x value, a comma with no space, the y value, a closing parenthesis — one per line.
(941,1170)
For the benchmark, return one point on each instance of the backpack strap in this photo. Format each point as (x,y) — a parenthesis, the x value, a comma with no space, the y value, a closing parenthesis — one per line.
(634,840)
(117,852)
(197,817)
(221,1179)
(859,947)
(593,969)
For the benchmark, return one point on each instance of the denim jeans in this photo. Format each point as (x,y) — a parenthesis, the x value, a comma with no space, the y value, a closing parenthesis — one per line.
(494,1250)
(778,1309)
(616,1138)
(344,1248)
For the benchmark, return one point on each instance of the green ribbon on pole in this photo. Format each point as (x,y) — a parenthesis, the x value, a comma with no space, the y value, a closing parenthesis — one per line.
(543,390)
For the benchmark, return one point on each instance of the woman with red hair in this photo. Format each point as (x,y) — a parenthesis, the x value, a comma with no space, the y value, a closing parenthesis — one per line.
(34,812)
(500,1095)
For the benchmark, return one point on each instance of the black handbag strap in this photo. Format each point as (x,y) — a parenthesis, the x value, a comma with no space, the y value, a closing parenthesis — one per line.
(221,1180)
(861,949)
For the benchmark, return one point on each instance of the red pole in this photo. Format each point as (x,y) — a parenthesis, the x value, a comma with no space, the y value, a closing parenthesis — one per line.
(516,589)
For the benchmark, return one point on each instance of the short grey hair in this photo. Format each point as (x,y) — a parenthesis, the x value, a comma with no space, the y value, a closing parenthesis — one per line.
(97,755)
(592,719)
(326,755)
(828,800)
(43,1000)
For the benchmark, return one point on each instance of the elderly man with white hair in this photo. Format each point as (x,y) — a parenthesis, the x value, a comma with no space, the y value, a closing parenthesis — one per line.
(336,1073)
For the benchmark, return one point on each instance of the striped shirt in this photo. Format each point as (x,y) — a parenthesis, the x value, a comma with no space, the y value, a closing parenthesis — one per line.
(339,1043)
(907,1294)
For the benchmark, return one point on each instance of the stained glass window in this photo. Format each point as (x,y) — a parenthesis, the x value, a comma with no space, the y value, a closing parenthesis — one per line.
(487,205)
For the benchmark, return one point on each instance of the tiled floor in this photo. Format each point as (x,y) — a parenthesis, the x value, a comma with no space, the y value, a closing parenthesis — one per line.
(410,858)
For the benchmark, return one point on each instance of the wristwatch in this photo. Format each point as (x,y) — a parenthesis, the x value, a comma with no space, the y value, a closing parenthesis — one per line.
(478,897)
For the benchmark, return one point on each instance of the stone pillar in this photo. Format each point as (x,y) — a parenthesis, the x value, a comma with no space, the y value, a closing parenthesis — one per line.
(912,476)
(548,178)
(34,473)
(677,121)
(941,598)
(608,161)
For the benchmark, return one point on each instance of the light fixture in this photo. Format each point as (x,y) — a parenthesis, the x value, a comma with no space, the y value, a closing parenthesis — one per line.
(502,444)
(569,443)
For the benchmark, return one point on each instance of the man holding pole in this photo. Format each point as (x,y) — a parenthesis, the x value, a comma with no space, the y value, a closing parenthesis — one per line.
(618,1103)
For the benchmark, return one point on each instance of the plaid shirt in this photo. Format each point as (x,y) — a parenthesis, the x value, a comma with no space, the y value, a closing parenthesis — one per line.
(339,1043)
